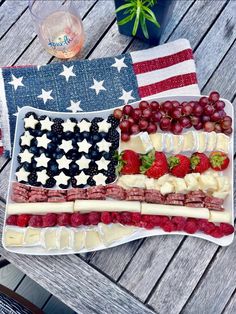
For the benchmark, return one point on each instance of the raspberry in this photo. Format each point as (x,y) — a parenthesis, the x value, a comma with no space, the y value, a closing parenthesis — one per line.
(146,218)
(11,220)
(49,220)
(149,225)
(76,219)
(209,227)
(217,233)
(190,227)
(23,220)
(155,219)
(202,224)
(125,218)
(115,217)
(169,226)
(35,221)
(226,228)
(179,223)
(106,218)
(136,217)
(63,219)
(94,218)
(164,220)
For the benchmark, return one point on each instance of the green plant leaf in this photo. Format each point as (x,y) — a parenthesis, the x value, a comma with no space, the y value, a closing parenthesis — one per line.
(136,22)
(151,16)
(126,19)
(124,6)
(144,26)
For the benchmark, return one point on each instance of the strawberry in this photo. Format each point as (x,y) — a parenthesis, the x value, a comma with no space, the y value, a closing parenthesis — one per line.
(179,165)
(199,162)
(129,162)
(219,161)
(154,165)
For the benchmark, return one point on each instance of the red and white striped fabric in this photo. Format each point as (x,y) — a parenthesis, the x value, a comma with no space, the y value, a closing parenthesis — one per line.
(168,69)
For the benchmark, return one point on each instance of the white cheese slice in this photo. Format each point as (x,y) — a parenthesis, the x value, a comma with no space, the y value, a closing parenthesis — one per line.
(51,238)
(178,143)
(188,141)
(92,239)
(13,237)
(202,141)
(79,238)
(157,141)
(146,142)
(220,194)
(218,216)
(111,206)
(212,138)
(114,232)
(32,236)
(168,143)
(222,143)
(207,183)
(167,188)
(172,210)
(64,238)
(191,180)
(140,143)
(39,208)
(132,180)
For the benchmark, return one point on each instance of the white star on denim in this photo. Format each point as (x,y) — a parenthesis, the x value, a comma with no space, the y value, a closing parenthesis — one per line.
(119,64)
(67,72)
(74,106)
(46,95)
(126,96)
(97,86)
(16,81)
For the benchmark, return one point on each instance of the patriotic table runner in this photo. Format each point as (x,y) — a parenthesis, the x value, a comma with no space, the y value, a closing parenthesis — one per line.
(91,85)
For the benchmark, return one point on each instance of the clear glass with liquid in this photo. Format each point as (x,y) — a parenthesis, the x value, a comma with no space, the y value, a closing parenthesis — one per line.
(59,27)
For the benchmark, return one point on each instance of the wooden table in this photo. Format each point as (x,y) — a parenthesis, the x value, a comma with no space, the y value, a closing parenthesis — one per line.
(166,274)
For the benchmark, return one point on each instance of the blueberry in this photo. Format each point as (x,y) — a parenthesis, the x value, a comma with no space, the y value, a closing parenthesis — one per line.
(34,150)
(41,150)
(27,166)
(31,113)
(38,132)
(95,154)
(68,135)
(96,138)
(53,167)
(85,135)
(42,118)
(103,135)
(50,135)
(106,155)
(51,147)
(78,136)
(74,169)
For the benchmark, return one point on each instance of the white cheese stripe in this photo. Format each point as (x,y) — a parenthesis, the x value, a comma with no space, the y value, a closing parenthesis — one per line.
(39,208)
(217,216)
(111,206)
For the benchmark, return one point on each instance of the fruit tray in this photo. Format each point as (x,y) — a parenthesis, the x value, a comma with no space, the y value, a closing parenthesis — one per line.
(76,197)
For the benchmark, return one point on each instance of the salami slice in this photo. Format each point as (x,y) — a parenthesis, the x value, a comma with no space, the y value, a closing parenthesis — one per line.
(213,200)
(20,185)
(176,197)
(56,200)
(19,199)
(135,198)
(193,199)
(197,205)
(174,202)
(214,206)
(37,198)
(197,193)
(96,196)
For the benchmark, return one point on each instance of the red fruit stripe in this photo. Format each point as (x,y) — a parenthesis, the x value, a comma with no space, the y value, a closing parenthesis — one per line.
(163,62)
(170,83)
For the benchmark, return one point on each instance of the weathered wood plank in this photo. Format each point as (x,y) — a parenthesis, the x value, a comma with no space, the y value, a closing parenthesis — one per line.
(10,276)
(55,306)
(231,306)
(33,292)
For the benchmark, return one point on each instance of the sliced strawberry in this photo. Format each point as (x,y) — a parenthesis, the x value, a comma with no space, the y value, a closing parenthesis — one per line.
(199,162)
(219,161)
(179,165)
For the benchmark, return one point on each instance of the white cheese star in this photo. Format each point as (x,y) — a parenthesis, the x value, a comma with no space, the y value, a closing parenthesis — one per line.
(67,72)
(43,141)
(63,163)
(126,96)
(103,145)
(68,125)
(84,146)
(26,138)
(22,175)
(119,64)
(42,176)
(74,106)
(97,86)
(102,163)
(81,178)
(104,126)
(62,179)
(100,179)
(16,81)
(46,95)
(26,156)
(42,161)
(83,162)
(84,126)
(66,145)
(46,124)
(30,122)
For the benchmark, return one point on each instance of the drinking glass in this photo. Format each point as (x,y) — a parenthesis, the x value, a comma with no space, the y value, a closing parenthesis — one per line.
(59,26)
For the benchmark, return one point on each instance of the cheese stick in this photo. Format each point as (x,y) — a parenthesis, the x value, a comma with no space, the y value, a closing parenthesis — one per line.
(169,210)
(218,216)
(39,208)
(111,206)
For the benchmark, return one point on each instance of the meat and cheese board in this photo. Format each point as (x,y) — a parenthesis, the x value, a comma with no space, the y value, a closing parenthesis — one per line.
(89,181)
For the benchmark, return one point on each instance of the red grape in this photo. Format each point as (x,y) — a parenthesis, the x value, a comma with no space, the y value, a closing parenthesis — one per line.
(209,126)
(143,105)
(175,104)
(154,105)
(187,109)
(209,110)
(198,126)
(195,120)
(125,137)
(136,114)
(185,122)
(134,129)
(218,128)
(226,122)
(219,105)
(117,114)
(197,110)
(167,106)
(215,116)
(176,114)
(127,110)
(203,101)
(222,113)
(228,131)
(176,128)
(152,128)
(192,103)
(156,116)
(205,118)
(165,124)
(131,121)
(125,126)
(147,113)
(143,124)
(214,96)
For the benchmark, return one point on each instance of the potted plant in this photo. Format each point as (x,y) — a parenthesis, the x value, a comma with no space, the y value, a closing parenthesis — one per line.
(144,19)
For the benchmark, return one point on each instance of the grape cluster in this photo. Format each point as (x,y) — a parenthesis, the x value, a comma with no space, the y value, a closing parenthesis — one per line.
(207,113)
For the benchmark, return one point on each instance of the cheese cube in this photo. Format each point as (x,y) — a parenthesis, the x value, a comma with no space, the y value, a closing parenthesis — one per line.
(179,185)
(191,180)
(150,183)
(223,184)
(207,183)
(166,188)
(220,194)
(130,180)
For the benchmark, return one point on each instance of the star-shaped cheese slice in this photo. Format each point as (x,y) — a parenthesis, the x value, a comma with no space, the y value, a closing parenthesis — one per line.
(66,145)
(102,163)
(42,161)
(26,156)
(68,125)
(83,162)
(103,146)
(43,141)
(63,163)
(26,138)
(104,126)
(30,122)
(62,179)
(22,175)
(46,124)
(84,125)
(81,178)
(100,179)
(42,176)
(84,146)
